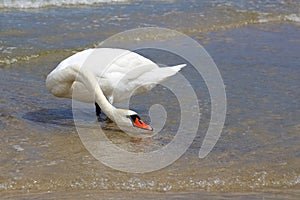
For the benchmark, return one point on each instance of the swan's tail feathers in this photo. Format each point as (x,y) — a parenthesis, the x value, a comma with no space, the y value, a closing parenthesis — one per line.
(151,78)
(160,74)
(177,68)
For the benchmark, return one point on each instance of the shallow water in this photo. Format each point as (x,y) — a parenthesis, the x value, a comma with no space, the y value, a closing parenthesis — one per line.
(258,150)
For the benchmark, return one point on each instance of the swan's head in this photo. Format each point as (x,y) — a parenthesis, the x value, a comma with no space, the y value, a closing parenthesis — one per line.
(131,122)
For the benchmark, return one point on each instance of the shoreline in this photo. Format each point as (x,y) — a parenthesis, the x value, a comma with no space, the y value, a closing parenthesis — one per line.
(291,194)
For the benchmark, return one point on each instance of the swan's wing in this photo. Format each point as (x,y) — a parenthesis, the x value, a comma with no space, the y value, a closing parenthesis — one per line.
(119,73)
(101,61)
(124,67)
(130,84)
(124,61)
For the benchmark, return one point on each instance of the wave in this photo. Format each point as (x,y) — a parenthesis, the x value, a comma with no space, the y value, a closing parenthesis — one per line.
(225,18)
(23,57)
(24,4)
(8,60)
(265,18)
(292,18)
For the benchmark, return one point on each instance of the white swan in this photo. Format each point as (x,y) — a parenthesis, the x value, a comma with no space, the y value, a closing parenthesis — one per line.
(104,76)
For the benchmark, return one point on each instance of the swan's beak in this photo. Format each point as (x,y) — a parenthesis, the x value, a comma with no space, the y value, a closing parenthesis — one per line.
(140,124)
(137,122)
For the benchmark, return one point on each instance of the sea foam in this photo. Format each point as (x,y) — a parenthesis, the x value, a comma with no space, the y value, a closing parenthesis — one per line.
(292,18)
(22,4)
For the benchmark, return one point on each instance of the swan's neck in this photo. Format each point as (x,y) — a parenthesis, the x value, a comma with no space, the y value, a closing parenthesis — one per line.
(104,104)
(89,79)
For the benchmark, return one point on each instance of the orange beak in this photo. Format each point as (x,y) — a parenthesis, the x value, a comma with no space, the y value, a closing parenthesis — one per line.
(140,124)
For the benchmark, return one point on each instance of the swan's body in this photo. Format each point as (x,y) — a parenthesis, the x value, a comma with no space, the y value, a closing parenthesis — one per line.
(106,76)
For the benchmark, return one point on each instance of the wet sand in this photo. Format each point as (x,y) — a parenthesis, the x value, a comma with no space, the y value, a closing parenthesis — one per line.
(273,194)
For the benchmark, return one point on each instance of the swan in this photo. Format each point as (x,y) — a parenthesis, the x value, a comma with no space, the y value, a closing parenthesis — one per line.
(105,76)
